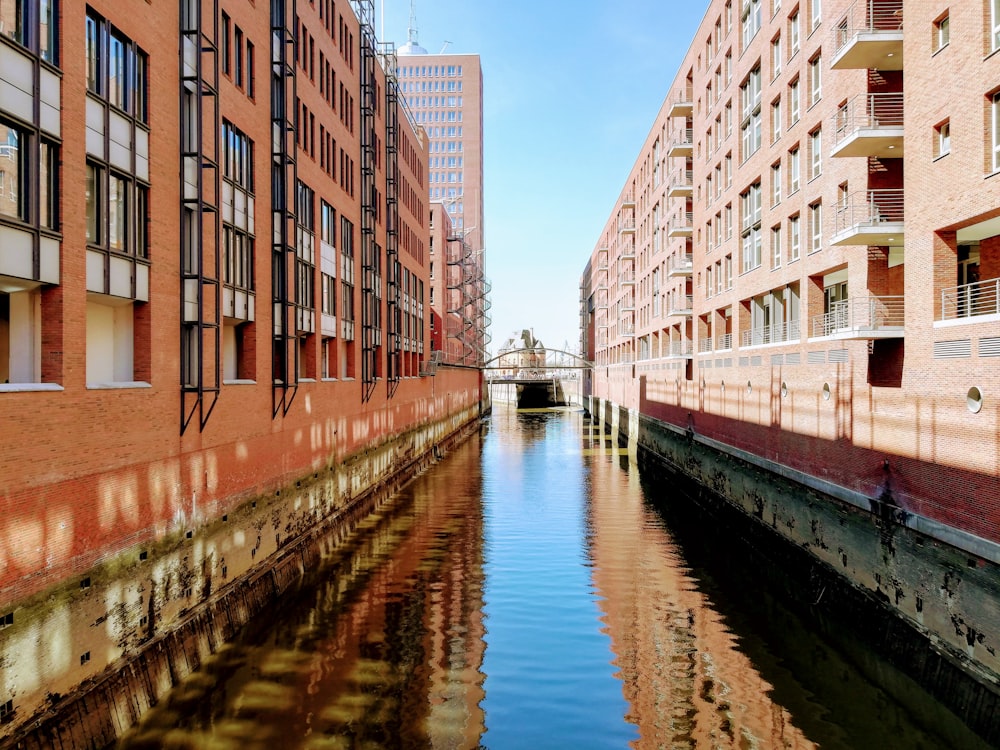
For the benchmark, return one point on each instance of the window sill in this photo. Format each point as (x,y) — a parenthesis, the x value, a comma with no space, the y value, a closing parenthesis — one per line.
(239,381)
(329,380)
(119,385)
(307,380)
(29,387)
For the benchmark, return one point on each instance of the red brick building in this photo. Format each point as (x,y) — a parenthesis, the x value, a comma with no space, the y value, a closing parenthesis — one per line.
(802,271)
(213,272)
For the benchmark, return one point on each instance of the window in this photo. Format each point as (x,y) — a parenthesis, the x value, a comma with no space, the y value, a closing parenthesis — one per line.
(38,34)
(237,228)
(942,32)
(750,93)
(943,138)
(117,211)
(815,226)
(995,113)
(14,173)
(776,183)
(793,34)
(225,44)
(328,224)
(750,215)
(775,120)
(815,80)
(750,20)
(776,246)
(816,153)
(119,77)
(793,170)
(995,24)
(817,14)
(793,102)
(794,239)
(775,57)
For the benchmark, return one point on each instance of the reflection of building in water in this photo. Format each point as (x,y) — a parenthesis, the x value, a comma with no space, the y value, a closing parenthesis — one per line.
(685,680)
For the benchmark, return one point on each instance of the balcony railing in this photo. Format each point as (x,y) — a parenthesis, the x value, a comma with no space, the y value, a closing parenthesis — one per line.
(682,144)
(870,35)
(681,103)
(704,345)
(866,317)
(680,184)
(681,224)
(680,349)
(626,328)
(627,277)
(971,300)
(626,226)
(870,217)
(723,342)
(870,125)
(681,266)
(772,334)
(680,304)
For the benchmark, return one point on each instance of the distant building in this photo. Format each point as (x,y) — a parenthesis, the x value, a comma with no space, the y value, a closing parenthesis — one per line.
(444,93)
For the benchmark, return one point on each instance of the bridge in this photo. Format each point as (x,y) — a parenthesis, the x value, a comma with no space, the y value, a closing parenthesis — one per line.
(537,372)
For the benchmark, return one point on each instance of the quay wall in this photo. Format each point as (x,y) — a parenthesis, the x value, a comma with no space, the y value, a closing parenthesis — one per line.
(924,595)
(84,656)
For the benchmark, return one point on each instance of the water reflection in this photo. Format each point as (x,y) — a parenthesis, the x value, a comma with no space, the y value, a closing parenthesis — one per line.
(533,591)
(380,648)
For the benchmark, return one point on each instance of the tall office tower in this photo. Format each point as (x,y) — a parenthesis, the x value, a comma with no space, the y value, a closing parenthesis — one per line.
(444,93)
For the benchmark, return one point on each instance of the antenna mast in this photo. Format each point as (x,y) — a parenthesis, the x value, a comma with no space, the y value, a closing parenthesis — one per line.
(411,31)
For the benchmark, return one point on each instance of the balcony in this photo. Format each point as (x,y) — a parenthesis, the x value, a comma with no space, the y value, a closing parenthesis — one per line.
(627,277)
(626,328)
(724,342)
(680,350)
(681,184)
(628,200)
(866,317)
(680,304)
(626,226)
(704,346)
(680,267)
(681,225)
(778,333)
(682,145)
(870,125)
(870,217)
(870,35)
(971,300)
(681,103)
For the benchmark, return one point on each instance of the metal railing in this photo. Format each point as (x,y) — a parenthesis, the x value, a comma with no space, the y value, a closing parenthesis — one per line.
(866,313)
(627,276)
(682,96)
(683,220)
(680,349)
(680,304)
(970,300)
(868,207)
(683,263)
(869,17)
(681,178)
(724,342)
(771,334)
(684,139)
(704,345)
(868,111)
(626,224)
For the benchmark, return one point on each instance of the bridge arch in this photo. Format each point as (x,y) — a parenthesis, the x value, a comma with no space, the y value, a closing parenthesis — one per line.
(579,363)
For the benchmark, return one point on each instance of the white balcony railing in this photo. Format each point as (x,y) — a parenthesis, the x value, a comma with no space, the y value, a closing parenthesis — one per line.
(861,316)
(971,300)
(868,112)
(704,345)
(723,342)
(869,209)
(772,334)
(867,17)
(680,349)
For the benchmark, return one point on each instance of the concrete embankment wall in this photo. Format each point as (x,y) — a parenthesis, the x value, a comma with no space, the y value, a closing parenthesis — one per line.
(924,596)
(160,617)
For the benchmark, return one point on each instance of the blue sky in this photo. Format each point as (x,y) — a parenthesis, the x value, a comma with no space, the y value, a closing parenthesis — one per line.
(570,93)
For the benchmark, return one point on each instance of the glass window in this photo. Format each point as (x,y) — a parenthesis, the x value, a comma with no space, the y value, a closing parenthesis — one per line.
(793,33)
(995,23)
(13,21)
(92,189)
(815,226)
(816,149)
(117,213)
(815,80)
(793,170)
(942,33)
(794,239)
(996,128)
(793,102)
(93,56)
(48,197)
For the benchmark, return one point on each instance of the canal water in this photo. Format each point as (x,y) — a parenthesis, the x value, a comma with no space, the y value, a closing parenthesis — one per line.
(532,591)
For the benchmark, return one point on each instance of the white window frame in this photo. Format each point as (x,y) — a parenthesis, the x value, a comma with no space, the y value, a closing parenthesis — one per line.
(816,153)
(815,226)
(815,80)
(794,170)
(794,237)
(995,109)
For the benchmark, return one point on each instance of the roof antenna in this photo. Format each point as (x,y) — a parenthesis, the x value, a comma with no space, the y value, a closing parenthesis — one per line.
(443,48)
(411,31)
